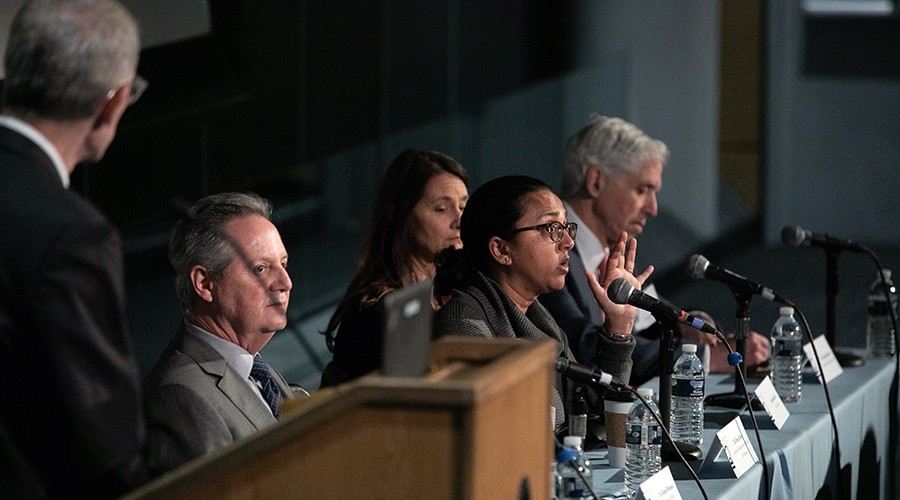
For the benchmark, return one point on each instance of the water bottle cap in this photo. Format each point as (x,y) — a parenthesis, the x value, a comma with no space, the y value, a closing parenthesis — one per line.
(786,310)
(564,454)
(645,392)
(689,348)
(572,441)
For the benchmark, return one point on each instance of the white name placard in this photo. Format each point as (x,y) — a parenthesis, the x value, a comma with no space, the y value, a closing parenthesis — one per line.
(830,365)
(772,402)
(659,486)
(733,440)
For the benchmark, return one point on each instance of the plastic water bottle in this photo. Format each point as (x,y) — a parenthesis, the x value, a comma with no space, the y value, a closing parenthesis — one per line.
(578,415)
(555,480)
(643,441)
(787,356)
(573,484)
(688,385)
(880,335)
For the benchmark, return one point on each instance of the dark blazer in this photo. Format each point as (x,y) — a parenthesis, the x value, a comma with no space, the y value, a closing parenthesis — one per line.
(196,403)
(68,378)
(576,311)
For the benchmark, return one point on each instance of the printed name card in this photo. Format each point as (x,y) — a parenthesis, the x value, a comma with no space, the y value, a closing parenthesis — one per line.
(659,486)
(830,364)
(733,440)
(772,402)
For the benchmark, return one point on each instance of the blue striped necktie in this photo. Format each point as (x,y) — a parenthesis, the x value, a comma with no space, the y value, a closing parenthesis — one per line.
(270,392)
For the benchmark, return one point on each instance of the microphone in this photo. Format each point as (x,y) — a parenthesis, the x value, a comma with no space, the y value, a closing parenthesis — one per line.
(622,292)
(698,267)
(796,236)
(583,373)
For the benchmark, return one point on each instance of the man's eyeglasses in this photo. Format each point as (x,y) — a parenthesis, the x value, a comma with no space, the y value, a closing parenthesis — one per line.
(138,86)
(553,229)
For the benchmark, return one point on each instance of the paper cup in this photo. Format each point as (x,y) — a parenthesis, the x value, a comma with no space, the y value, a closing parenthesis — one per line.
(616,407)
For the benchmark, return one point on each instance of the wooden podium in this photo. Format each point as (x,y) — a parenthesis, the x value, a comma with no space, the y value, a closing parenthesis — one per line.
(476,427)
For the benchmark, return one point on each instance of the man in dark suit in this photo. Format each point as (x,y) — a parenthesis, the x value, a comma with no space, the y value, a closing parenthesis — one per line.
(611,175)
(210,387)
(70,421)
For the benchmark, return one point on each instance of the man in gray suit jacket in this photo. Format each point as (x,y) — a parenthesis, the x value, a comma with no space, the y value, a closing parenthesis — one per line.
(209,387)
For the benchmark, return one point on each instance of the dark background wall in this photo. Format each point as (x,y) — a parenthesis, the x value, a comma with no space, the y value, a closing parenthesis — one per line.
(276,84)
(307,103)
(221,113)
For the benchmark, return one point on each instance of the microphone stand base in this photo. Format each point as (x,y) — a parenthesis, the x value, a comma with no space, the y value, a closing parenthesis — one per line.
(734,400)
(668,453)
(847,359)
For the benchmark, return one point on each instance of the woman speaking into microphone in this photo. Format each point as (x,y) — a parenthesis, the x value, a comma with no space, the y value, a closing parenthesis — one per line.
(515,246)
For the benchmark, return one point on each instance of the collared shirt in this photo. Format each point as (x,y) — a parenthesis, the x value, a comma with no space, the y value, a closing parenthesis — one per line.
(590,248)
(592,251)
(236,356)
(38,138)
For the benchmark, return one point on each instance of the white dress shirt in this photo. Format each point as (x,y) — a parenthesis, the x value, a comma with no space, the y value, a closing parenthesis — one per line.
(592,251)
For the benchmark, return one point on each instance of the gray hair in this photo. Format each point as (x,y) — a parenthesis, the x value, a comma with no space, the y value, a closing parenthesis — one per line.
(201,239)
(65,56)
(612,144)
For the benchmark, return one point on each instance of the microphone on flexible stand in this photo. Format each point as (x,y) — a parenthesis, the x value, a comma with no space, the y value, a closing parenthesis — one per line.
(699,267)
(621,291)
(797,236)
(583,373)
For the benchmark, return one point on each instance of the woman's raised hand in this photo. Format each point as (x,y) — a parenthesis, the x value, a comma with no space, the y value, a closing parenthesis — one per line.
(618,264)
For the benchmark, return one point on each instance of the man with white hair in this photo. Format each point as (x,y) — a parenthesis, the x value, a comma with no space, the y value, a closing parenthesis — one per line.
(612,173)
(71,422)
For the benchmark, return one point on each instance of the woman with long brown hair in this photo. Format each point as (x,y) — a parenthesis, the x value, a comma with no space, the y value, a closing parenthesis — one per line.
(416,215)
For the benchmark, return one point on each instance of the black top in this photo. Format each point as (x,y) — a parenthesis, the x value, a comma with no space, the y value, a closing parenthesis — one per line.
(358,345)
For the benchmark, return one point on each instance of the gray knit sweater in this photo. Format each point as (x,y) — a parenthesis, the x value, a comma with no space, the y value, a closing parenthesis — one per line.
(480,308)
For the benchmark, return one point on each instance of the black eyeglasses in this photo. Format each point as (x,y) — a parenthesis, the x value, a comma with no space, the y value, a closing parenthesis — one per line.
(553,229)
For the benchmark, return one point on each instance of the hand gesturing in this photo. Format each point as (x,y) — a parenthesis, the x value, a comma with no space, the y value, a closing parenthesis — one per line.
(618,264)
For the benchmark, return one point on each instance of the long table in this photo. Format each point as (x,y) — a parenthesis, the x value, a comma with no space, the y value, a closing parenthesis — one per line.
(800,455)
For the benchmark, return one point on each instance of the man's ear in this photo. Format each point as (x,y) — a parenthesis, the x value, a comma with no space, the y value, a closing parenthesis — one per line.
(499,249)
(202,283)
(594,180)
(113,108)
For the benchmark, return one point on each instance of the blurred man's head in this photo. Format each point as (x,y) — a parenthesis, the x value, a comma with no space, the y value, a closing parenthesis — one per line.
(73,62)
